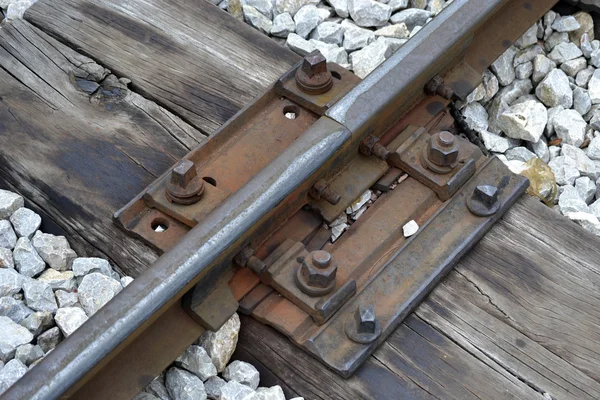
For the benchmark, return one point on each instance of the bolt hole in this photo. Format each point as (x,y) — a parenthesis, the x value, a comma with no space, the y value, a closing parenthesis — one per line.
(291,112)
(336,75)
(159,225)
(210,181)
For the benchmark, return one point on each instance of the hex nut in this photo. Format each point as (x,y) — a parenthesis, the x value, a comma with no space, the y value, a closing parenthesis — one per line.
(442,149)
(316,275)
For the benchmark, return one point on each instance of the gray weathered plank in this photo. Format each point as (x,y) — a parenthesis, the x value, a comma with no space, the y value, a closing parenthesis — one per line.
(188,56)
(72,156)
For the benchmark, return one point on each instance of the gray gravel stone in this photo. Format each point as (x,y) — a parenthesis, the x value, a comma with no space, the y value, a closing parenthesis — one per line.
(593,150)
(555,39)
(145,396)
(126,280)
(271,393)
(524,71)
(183,385)
(9,203)
(329,32)
(565,170)
(587,221)
(584,76)
(340,7)
(398,31)
(552,112)
(565,24)
(475,116)
(236,391)
(256,19)
(555,90)
(486,90)
(27,261)
(505,97)
(308,18)
(64,280)
(540,149)
(68,319)
(243,373)
(265,7)
(520,154)
(6,258)
(586,188)
(366,60)
(49,339)
(25,222)
(39,295)
(283,25)
(581,101)
(411,17)
(157,388)
(13,335)
(38,322)
(369,13)
(221,344)
(595,206)
(524,121)
(292,6)
(331,52)
(356,38)
(10,373)
(585,166)
(54,250)
(496,143)
(570,127)
(66,299)
(528,38)
(299,45)
(585,44)
(527,55)
(570,201)
(29,353)
(573,67)
(594,87)
(542,66)
(8,238)
(213,387)
(86,265)
(398,4)
(503,66)
(11,282)
(563,52)
(96,290)
(14,309)
(197,361)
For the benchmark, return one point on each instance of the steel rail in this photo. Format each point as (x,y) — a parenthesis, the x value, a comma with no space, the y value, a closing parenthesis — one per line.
(132,320)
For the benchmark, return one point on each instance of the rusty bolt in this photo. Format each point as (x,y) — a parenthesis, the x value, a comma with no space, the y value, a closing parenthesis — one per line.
(362,326)
(316,275)
(484,200)
(313,77)
(436,86)
(320,190)
(442,149)
(247,259)
(371,146)
(184,185)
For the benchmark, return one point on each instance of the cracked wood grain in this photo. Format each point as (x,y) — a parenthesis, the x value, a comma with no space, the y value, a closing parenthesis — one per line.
(77,160)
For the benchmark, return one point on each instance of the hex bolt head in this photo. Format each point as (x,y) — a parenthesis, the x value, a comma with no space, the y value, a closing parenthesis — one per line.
(313,64)
(363,326)
(484,201)
(320,190)
(365,319)
(442,149)
(316,274)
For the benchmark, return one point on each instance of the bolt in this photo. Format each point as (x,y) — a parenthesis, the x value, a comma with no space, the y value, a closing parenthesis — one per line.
(313,76)
(365,319)
(371,146)
(184,186)
(442,149)
(486,194)
(316,274)
(436,86)
(321,190)
(313,64)
(256,265)
(246,259)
